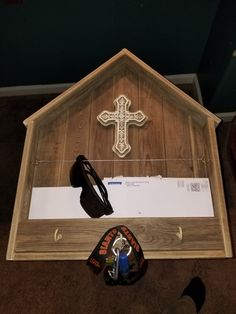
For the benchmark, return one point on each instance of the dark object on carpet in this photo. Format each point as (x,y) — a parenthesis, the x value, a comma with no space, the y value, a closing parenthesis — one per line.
(197,291)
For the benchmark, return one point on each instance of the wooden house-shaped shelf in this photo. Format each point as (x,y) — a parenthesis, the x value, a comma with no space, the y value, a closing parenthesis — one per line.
(178,140)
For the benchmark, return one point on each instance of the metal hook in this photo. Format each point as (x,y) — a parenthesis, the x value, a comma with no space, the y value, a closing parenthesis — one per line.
(180,234)
(57,236)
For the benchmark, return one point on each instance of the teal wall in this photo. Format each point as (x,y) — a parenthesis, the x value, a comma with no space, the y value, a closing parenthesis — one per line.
(45,42)
(61,41)
(224,97)
(217,71)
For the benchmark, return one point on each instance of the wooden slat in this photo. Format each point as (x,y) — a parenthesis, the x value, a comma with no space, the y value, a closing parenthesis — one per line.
(197,149)
(101,138)
(76,137)
(151,135)
(23,189)
(126,82)
(177,141)
(50,151)
(154,235)
(214,173)
(21,256)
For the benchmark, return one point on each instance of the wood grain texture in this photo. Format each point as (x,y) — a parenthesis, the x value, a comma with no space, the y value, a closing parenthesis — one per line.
(178,140)
(50,151)
(25,182)
(50,256)
(151,136)
(76,139)
(101,138)
(126,82)
(214,171)
(197,149)
(153,234)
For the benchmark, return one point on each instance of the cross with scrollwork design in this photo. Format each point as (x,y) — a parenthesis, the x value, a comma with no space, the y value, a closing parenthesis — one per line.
(122,118)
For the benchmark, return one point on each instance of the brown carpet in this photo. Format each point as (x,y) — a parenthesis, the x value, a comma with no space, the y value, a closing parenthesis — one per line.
(69,286)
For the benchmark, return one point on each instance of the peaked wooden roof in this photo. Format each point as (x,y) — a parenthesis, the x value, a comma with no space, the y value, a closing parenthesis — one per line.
(189,103)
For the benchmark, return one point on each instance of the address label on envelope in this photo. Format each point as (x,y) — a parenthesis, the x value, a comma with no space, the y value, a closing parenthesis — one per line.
(129,197)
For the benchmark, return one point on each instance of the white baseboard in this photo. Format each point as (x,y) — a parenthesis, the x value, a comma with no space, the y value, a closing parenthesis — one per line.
(226,116)
(189,78)
(26,90)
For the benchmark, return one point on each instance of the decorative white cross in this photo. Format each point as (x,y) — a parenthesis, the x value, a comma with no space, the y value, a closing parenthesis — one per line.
(122,118)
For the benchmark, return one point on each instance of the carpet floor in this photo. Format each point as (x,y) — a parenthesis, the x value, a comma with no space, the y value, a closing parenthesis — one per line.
(69,286)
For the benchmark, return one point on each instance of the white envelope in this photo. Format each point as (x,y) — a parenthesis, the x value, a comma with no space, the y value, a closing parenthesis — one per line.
(130,197)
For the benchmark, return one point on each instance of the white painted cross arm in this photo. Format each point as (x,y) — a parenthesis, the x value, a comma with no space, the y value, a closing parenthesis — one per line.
(122,118)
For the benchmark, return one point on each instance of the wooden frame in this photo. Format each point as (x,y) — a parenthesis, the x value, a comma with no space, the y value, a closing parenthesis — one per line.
(179,129)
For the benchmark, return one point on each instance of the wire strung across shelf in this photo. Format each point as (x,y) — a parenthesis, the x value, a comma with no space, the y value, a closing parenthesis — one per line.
(202,159)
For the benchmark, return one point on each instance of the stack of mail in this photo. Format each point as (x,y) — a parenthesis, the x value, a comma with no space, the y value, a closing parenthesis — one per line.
(130,197)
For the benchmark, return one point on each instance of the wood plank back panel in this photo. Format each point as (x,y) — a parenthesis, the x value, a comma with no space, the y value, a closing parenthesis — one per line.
(50,151)
(76,137)
(167,134)
(26,181)
(100,137)
(214,173)
(197,148)
(151,135)
(177,141)
(147,142)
